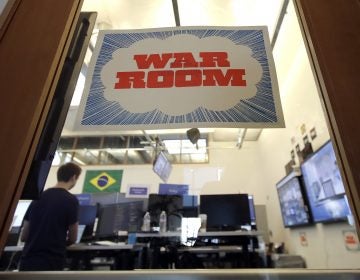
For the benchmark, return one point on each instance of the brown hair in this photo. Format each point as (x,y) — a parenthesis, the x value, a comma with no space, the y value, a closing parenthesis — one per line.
(67,171)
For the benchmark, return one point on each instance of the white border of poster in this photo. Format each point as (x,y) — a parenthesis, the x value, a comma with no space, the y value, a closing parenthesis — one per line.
(181,77)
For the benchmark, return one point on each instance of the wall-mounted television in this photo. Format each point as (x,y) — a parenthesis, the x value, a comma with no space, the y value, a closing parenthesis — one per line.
(162,166)
(293,201)
(324,186)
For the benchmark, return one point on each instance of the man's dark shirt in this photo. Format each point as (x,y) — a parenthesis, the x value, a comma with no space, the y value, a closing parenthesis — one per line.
(49,218)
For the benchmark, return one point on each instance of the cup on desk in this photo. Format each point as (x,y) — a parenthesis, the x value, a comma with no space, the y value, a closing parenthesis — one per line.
(203,219)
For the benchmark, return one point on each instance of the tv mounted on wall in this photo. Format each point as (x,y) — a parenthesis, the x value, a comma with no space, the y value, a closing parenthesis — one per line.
(324,186)
(162,167)
(293,201)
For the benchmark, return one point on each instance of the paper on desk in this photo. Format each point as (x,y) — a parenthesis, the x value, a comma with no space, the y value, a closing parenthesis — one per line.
(108,243)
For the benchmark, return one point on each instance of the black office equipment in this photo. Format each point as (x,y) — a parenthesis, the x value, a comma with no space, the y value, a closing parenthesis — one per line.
(171,204)
(126,216)
(293,201)
(225,211)
(324,186)
(87,214)
(190,206)
(252,212)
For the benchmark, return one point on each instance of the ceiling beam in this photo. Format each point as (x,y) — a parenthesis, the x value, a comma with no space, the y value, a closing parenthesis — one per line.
(176,12)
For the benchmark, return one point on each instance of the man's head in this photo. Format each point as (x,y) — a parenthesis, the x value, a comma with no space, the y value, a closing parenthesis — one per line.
(68,173)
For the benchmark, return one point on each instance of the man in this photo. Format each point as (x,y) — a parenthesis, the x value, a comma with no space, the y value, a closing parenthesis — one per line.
(51,223)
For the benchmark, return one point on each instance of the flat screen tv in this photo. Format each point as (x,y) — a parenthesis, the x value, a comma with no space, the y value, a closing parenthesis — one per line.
(225,211)
(162,167)
(293,202)
(324,186)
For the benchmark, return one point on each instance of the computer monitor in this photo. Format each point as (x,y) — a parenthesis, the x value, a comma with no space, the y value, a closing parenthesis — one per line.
(106,222)
(15,227)
(126,216)
(252,212)
(19,214)
(225,211)
(171,204)
(87,214)
(190,207)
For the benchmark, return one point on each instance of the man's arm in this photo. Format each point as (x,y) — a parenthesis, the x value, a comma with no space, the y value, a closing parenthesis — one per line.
(25,231)
(72,235)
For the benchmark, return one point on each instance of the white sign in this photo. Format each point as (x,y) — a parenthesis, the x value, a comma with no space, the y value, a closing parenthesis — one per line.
(181,77)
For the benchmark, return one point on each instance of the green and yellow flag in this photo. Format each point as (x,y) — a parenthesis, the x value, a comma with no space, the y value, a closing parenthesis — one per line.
(102,181)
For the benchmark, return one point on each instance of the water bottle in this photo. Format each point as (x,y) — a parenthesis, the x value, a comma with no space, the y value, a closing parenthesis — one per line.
(162,221)
(146,222)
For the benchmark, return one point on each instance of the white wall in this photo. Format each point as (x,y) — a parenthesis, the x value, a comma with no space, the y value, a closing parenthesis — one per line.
(227,173)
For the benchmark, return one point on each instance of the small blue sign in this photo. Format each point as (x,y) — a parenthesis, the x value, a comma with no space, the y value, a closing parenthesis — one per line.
(84,198)
(173,189)
(138,190)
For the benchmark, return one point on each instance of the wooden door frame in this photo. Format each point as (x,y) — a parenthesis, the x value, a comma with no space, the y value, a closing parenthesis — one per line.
(331,35)
(34,39)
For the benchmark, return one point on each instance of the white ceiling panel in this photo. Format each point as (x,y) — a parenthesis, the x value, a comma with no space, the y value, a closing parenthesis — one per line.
(132,14)
(230,13)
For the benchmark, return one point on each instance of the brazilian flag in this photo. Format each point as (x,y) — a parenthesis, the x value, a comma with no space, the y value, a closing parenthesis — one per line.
(102,181)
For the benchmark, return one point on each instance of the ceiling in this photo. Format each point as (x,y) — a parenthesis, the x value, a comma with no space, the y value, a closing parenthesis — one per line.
(137,14)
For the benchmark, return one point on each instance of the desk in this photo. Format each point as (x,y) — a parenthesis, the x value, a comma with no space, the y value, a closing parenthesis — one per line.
(81,256)
(218,249)
(240,249)
(115,256)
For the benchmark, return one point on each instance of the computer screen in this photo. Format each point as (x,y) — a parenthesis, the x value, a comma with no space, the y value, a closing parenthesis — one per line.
(87,214)
(190,207)
(125,216)
(19,214)
(324,186)
(252,211)
(81,230)
(162,167)
(293,202)
(225,211)
(106,222)
(171,204)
